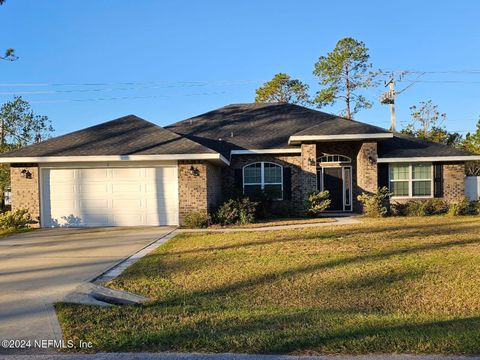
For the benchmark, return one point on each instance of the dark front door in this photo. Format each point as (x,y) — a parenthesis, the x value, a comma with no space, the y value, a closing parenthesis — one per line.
(333,182)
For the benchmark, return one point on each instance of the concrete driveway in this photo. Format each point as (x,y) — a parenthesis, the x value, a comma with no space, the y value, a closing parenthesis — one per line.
(40,267)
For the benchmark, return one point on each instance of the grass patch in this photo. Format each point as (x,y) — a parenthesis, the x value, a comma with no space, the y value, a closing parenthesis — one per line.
(5,232)
(275,222)
(395,285)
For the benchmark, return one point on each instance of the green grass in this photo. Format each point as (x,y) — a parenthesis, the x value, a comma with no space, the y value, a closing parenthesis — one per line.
(406,285)
(275,222)
(5,232)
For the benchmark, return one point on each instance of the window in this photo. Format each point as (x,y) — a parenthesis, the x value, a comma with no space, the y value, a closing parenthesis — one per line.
(411,180)
(334,158)
(263,176)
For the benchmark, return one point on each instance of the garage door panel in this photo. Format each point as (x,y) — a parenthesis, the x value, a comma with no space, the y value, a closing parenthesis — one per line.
(128,174)
(62,175)
(110,197)
(130,188)
(166,188)
(124,206)
(93,204)
(93,188)
(92,175)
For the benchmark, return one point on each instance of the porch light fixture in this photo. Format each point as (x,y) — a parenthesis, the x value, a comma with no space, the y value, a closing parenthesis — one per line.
(194,171)
(312,162)
(371,160)
(26,174)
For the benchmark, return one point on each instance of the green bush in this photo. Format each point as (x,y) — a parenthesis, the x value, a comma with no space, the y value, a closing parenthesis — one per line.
(463,207)
(377,204)
(317,202)
(18,219)
(236,211)
(197,219)
(475,207)
(435,207)
(420,208)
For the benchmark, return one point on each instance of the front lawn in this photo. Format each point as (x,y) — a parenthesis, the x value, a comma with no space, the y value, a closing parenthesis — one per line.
(407,285)
(276,222)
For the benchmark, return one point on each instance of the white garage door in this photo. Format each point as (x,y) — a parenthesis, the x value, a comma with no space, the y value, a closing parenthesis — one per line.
(110,196)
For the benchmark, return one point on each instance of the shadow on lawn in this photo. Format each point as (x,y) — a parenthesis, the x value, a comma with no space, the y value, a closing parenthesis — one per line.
(401,232)
(269,278)
(309,332)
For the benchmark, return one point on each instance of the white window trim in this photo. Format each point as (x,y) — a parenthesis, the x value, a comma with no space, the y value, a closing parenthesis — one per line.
(262,176)
(410,181)
(346,159)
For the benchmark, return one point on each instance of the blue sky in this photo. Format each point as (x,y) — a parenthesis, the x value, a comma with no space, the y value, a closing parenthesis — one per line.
(91,61)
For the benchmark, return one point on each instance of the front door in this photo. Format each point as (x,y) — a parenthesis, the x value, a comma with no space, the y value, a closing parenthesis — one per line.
(333,182)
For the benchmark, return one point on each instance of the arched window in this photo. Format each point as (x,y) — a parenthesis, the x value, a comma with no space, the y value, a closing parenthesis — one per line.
(334,158)
(263,177)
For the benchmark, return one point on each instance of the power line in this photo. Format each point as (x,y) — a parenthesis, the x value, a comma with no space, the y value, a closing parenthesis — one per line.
(206,82)
(125,98)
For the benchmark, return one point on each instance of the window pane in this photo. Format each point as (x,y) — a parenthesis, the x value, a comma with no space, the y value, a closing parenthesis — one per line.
(273,173)
(422,188)
(347,186)
(422,171)
(399,188)
(273,191)
(399,172)
(252,174)
(252,190)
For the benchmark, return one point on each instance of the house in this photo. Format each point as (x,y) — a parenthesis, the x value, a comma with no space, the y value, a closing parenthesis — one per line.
(131,172)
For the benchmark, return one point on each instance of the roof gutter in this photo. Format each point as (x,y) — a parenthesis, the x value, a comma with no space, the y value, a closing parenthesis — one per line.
(298,139)
(120,158)
(429,159)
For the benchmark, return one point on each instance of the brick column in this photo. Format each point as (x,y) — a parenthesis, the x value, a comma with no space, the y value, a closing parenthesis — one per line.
(367,180)
(192,188)
(26,190)
(309,169)
(454,181)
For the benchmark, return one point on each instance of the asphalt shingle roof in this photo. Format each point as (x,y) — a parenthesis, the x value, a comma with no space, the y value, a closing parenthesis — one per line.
(128,135)
(263,126)
(238,126)
(401,146)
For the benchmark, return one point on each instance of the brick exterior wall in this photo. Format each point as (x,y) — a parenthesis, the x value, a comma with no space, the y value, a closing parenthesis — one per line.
(26,192)
(309,169)
(367,174)
(304,178)
(295,206)
(214,185)
(198,192)
(453,181)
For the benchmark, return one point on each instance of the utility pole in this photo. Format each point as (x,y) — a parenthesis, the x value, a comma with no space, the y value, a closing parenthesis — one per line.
(389,98)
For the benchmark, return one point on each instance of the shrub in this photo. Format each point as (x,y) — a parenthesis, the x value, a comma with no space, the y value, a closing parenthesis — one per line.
(420,208)
(317,202)
(434,207)
(475,207)
(236,211)
(18,219)
(377,204)
(197,219)
(463,207)
(264,203)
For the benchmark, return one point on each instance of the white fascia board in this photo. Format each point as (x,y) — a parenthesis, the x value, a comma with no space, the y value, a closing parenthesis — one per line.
(266,151)
(429,159)
(121,158)
(301,138)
